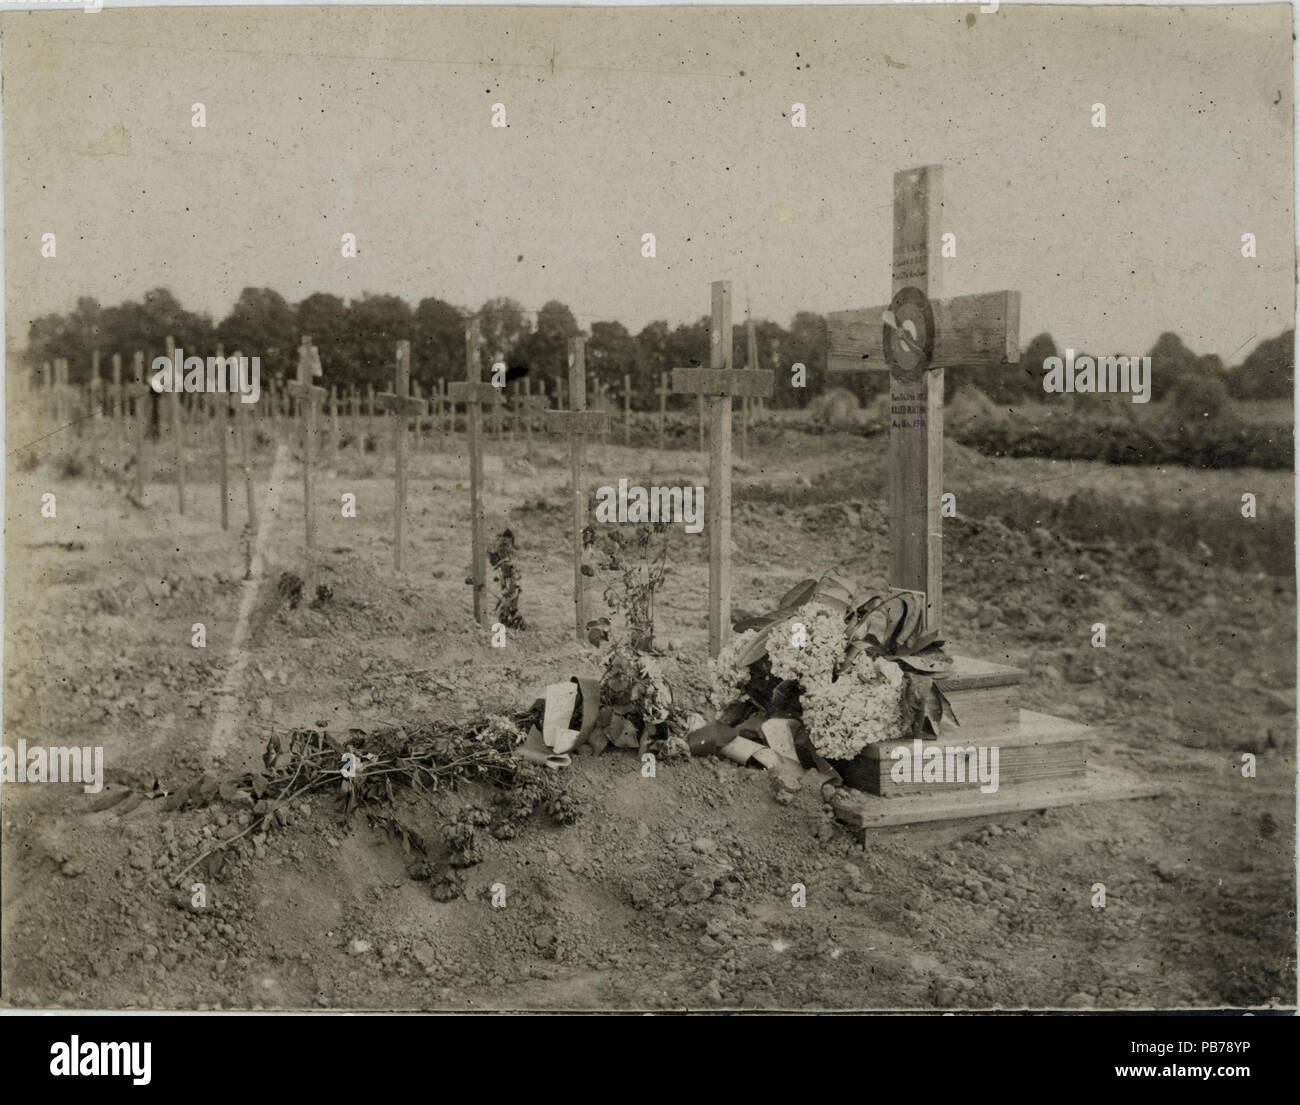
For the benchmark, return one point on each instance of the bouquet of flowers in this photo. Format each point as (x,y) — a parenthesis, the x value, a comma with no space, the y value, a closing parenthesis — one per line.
(854,673)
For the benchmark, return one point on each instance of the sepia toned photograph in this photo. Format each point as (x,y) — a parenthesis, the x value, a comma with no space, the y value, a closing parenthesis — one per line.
(648,509)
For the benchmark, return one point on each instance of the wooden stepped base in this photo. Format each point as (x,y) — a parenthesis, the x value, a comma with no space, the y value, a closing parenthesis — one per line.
(1035,747)
(866,811)
(985,698)
(938,802)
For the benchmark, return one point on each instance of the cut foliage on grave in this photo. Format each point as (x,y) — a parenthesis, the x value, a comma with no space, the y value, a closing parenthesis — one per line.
(366,767)
(502,558)
(631,558)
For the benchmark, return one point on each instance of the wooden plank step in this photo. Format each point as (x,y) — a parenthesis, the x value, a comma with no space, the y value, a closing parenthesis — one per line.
(1034,730)
(967,673)
(1102,784)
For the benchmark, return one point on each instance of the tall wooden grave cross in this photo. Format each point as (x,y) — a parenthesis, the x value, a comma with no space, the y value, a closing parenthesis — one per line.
(403,406)
(308,394)
(719,383)
(475,395)
(578,423)
(914,339)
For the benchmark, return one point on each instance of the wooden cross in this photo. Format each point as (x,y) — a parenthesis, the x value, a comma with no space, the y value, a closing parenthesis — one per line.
(719,383)
(399,402)
(475,395)
(914,339)
(306,394)
(578,423)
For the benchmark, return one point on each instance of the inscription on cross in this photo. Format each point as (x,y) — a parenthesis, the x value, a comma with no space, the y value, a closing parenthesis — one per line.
(718,384)
(403,406)
(914,339)
(307,395)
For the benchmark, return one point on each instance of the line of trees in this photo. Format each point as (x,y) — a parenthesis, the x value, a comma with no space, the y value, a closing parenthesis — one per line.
(356,343)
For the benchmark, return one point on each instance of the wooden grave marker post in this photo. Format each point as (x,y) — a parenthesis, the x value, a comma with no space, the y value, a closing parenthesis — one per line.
(177,441)
(578,423)
(140,408)
(751,362)
(119,412)
(223,416)
(663,391)
(720,382)
(306,396)
(242,423)
(627,409)
(475,395)
(914,339)
(400,403)
(97,389)
(534,405)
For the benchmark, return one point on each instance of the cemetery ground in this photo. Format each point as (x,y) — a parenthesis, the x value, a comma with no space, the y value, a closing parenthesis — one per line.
(668,892)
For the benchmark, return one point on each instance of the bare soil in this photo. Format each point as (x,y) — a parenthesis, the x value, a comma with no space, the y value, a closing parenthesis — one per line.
(669,892)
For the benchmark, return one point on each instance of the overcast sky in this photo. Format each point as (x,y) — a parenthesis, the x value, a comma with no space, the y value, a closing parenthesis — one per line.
(675,122)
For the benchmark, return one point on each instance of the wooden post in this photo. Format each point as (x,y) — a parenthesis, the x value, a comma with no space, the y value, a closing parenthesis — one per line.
(474,394)
(222,406)
(627,409)
(335,436)
(751,363)
(140,410)
(701,410)
(177,376)
(399,402)
(244,431)
(720,382)
(915,338)
(119,402)
(663,391)
(419,418)
(307,395)
(578,423)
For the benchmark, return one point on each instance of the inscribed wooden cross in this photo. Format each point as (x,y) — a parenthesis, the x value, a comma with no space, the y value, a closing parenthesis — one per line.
(719,383)
(578,423)
(475,395)
(399,402)
(307,395)
(914,339)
